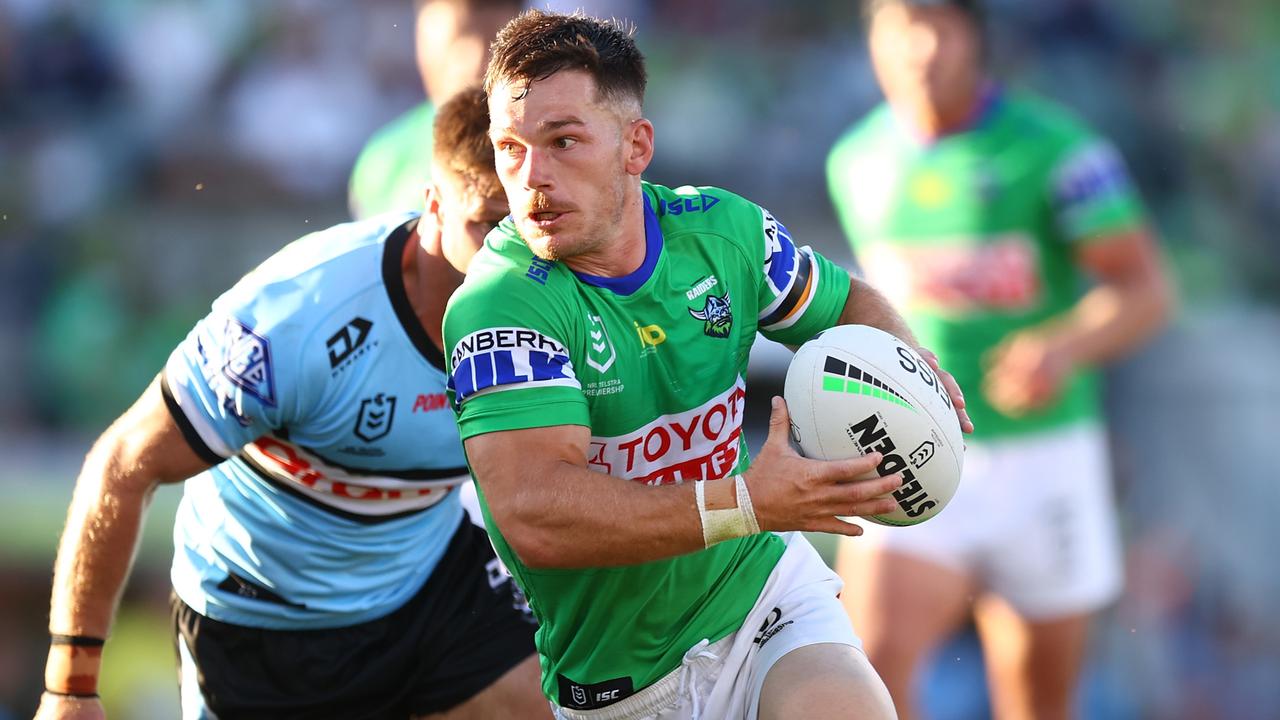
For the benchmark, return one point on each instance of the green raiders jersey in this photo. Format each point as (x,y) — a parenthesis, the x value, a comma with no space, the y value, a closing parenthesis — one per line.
(653,363)
(972,236)
(393,169)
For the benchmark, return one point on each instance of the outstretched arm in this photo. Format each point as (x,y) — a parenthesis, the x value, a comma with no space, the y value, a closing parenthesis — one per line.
(555,512)
(141,450)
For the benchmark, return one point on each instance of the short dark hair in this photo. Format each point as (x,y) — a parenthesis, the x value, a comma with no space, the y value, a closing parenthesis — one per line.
(461,141)
(536,45)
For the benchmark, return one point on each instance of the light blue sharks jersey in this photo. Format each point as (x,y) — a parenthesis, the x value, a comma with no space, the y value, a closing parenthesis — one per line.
(315,391)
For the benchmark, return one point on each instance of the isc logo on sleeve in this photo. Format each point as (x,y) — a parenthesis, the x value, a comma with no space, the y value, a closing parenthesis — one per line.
(509,358)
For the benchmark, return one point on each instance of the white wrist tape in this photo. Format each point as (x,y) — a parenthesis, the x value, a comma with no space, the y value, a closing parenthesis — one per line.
(729,523)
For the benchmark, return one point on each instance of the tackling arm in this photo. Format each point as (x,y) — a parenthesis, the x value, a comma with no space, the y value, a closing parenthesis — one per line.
(141,450)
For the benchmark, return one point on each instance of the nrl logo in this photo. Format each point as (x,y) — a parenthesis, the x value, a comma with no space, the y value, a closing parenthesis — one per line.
(716,316)
(373,422)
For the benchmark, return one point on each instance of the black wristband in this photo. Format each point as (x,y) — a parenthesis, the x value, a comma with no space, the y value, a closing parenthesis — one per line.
(76,640)
(84,696)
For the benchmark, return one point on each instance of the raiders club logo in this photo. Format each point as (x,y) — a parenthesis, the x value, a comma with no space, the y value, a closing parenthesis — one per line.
(716,316)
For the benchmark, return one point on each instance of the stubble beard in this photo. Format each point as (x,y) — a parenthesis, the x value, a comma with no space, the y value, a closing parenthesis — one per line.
(575,243)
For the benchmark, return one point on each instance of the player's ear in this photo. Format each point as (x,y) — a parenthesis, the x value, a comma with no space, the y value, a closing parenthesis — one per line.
(638,146)
(432,197)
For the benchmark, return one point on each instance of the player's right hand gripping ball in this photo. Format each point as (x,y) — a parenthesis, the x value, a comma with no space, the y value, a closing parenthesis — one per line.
(853,390)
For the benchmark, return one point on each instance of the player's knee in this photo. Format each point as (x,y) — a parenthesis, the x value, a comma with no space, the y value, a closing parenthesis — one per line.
(824,681)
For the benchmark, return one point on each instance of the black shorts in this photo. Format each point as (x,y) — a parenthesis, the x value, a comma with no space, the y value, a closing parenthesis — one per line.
(454,638)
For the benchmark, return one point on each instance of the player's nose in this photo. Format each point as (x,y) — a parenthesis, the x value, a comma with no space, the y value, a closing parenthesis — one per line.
(535,172)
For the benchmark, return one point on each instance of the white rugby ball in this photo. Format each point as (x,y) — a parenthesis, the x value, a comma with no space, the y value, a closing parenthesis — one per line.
(853,390)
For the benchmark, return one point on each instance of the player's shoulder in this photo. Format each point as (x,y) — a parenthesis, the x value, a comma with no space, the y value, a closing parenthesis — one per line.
(870,132)
(701,209)
(1035,117)
(867,151)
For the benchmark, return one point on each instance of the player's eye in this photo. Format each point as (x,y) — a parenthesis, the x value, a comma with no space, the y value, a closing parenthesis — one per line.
(507,147)
(564,143)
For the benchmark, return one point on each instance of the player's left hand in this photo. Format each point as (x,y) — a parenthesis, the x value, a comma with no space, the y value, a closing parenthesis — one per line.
(1025,372)
(953,388)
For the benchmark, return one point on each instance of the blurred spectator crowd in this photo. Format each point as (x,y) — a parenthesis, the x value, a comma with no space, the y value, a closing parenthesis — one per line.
(151,151)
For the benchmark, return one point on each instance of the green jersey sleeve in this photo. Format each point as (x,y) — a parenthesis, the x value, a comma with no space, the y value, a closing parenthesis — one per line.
(798,292)
(1091,193)
(508,334)
(801,293)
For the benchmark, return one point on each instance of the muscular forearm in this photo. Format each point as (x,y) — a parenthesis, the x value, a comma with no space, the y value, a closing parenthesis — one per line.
(555,512)
(96,551)
(569,516)
(1112,320)
(867,306)
(1130,302)
(141,450)
(94,557)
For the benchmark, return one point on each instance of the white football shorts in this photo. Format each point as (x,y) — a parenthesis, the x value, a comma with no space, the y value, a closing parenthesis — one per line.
(1033,520)
(797,607)
(471,502)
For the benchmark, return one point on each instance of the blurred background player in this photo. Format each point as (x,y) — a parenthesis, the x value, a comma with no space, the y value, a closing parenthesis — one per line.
(452,46)
(979,212)
(323,567)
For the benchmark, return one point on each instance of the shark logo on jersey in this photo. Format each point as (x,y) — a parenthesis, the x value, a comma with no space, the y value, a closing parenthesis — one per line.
(373,422)
(247,362)
(716,315)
